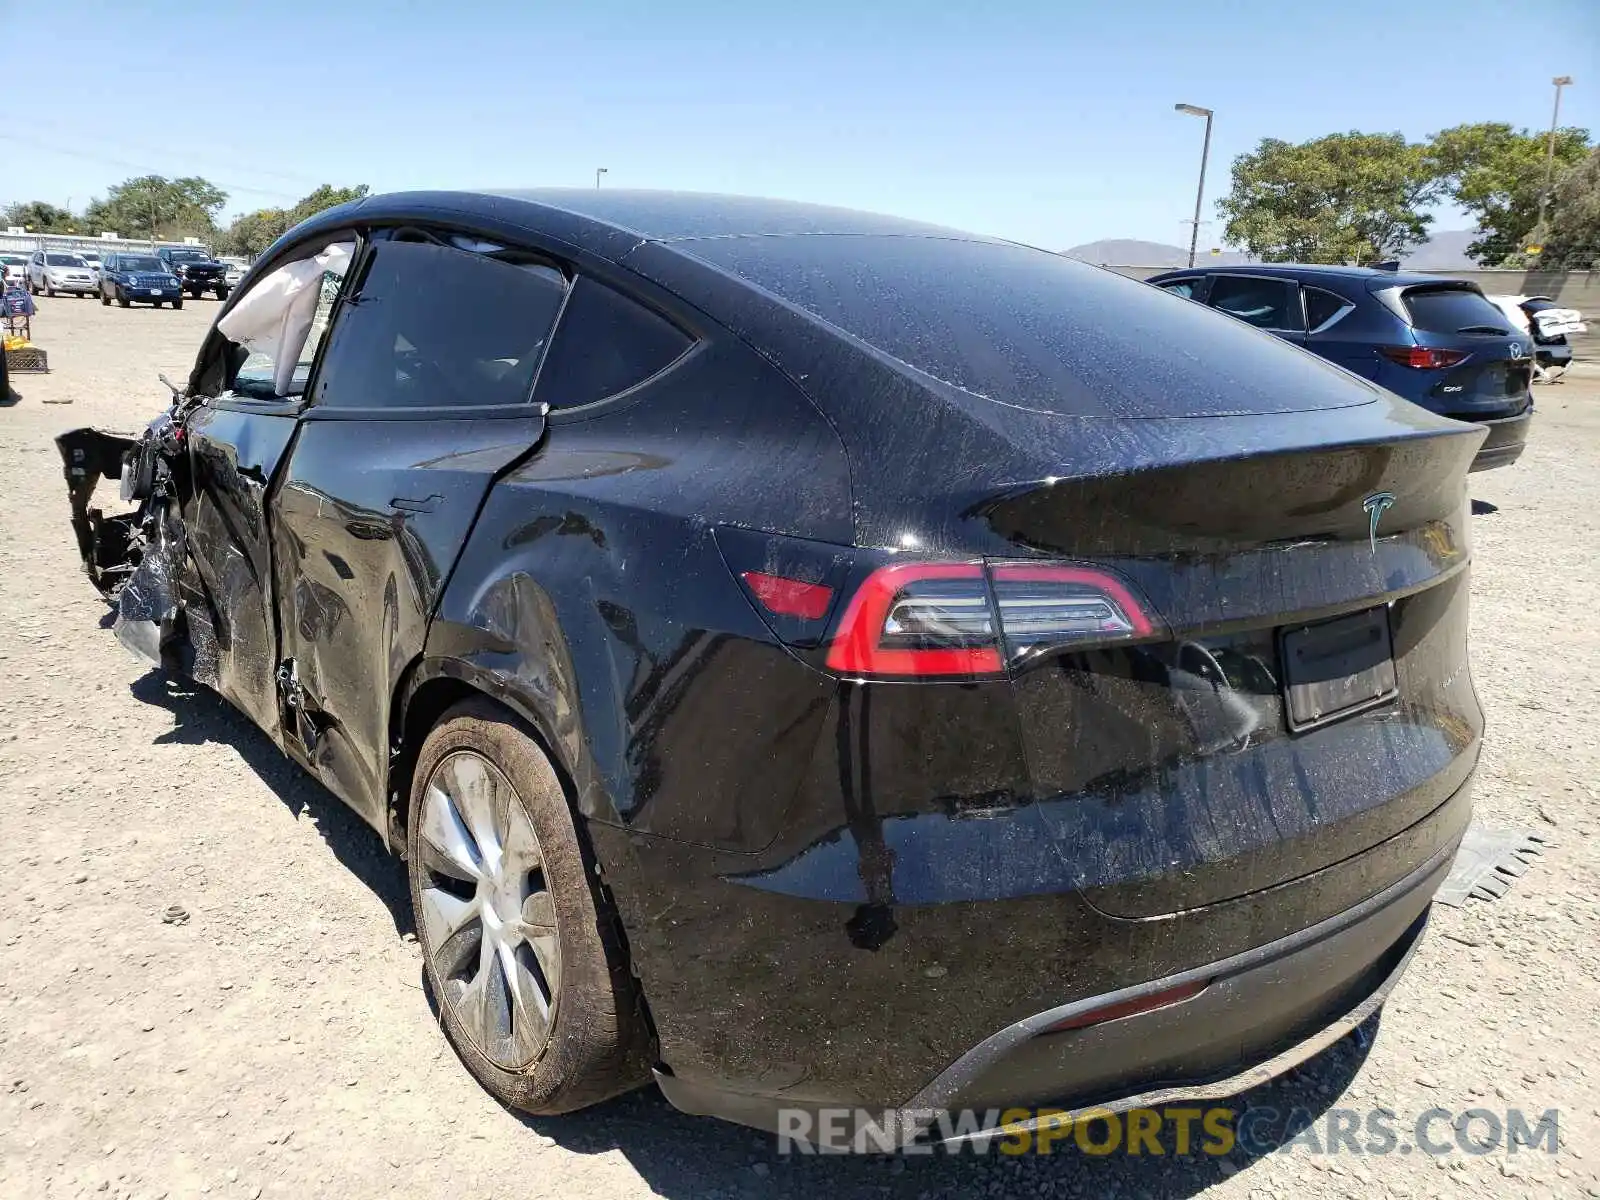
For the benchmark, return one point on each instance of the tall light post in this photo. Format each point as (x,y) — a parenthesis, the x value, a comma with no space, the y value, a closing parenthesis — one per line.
(1195,110)
(599,171)
(1560,81)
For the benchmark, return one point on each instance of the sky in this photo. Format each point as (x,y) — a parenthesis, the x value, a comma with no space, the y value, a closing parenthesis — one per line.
(1049,123)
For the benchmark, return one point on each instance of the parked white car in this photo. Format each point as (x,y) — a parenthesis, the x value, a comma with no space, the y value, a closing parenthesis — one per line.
(14,269)
(52,271)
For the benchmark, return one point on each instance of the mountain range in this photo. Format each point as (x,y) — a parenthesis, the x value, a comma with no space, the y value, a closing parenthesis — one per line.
(1446,250)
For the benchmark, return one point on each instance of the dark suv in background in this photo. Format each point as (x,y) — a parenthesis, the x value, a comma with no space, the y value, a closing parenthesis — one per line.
(138,278)
(1438,342)
(196,270)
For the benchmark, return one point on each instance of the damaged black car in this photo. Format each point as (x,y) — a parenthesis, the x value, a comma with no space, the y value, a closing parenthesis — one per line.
(816,660)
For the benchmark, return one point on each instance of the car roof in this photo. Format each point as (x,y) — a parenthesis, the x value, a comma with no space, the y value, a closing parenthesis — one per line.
(611,222)
(1312,271)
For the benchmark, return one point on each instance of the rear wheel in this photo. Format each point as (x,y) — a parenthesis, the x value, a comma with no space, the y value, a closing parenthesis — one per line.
(521,948)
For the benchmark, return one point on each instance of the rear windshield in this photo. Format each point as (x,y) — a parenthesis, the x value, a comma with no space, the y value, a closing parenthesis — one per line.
(1032,329)
(1453,310)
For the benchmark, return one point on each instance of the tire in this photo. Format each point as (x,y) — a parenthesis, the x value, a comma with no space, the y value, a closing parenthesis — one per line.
(598,1044)
(123,301)
(105,300)
(178,303)
(49,289)
(222,293)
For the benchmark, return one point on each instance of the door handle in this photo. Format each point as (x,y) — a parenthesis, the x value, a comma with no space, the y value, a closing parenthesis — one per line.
(426,505)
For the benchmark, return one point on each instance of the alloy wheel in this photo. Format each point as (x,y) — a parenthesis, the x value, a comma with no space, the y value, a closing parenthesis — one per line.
(488,918)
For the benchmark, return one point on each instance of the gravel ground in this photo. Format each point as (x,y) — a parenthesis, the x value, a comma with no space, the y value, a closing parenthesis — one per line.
(276,1041)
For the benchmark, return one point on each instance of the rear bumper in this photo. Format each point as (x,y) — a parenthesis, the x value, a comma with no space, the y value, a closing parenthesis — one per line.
(1261,1014)
(1506,441)
(1263,1008)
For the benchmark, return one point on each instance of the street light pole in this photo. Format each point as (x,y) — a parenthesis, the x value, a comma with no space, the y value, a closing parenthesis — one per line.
(1199,193)
(1560,81)
(598,171)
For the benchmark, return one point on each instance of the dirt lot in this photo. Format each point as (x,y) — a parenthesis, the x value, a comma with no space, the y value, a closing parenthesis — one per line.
(278,1042)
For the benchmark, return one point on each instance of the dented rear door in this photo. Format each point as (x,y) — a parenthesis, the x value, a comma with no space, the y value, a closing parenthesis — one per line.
(423,398)
(235,447)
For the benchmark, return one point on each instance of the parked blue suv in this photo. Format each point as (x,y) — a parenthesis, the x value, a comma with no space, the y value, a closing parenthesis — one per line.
(1438,342)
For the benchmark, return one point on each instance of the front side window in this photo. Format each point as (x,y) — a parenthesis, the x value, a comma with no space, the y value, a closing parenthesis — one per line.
(277,327)
(433,326)
(1264,303)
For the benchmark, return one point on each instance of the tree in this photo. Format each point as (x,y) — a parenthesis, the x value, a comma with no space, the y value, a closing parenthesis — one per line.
(155,207)
(325,197)
(1570,235)
(253,232)
(1346,197)
(1497,174)
(38,216)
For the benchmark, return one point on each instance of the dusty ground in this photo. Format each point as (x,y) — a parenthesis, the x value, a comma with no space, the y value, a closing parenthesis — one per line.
(278,1043)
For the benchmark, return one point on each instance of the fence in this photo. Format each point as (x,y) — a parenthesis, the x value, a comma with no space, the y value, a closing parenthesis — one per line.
(66,243)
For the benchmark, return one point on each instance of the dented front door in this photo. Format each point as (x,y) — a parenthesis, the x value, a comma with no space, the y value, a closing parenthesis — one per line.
(235,448)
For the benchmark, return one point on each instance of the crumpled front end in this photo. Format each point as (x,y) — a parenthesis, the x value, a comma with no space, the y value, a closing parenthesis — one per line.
(136,559)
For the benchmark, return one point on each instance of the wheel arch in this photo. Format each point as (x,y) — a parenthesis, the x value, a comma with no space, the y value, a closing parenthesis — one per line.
(431,688)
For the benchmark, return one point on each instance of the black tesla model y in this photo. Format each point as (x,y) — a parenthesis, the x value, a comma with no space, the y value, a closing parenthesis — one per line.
(817,659)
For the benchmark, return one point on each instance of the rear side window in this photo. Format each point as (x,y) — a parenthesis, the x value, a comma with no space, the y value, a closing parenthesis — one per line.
(436,327)
(1453,310)
(606,344)
(1322,307)
(1264,303)
(1181,287)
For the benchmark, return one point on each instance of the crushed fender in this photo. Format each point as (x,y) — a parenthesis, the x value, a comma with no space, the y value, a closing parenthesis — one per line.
(135,558)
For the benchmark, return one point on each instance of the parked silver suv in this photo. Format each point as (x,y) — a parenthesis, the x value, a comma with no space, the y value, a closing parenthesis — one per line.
(52,271)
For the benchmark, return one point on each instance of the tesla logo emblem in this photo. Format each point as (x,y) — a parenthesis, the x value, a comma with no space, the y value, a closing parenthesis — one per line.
(1516,349)
(1375,506)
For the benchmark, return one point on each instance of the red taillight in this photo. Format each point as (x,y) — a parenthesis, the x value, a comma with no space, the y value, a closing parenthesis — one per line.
(1422,358)
(790,597)
(947,619)
(918,619)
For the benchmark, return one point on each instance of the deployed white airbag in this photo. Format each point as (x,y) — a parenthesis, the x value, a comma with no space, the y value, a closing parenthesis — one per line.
(276,315)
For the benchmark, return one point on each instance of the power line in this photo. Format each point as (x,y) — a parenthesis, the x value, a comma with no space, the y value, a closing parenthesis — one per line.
(135,166)
(45,127)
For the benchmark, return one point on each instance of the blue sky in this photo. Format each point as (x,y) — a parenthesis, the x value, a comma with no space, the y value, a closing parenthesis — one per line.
(1048,123)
